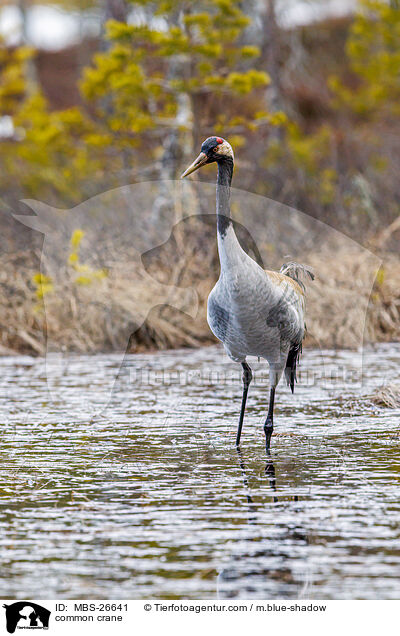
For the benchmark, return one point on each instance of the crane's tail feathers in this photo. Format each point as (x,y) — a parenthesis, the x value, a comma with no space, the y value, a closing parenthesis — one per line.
(291,365)
(297,272)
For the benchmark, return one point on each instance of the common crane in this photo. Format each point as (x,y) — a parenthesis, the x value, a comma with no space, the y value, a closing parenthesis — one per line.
(252,311)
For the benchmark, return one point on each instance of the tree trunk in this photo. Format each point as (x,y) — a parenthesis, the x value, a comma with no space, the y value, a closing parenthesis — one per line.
(31,72)
(178,141)
(270,50)
(116,10)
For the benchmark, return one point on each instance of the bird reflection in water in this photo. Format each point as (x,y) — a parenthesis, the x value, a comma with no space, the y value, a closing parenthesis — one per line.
(265,567)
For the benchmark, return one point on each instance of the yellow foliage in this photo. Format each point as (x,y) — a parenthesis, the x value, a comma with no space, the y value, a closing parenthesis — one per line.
(83,280)
(76,238)
(380,277)
(87,275)
(130,90)
(374,55)
(43,284)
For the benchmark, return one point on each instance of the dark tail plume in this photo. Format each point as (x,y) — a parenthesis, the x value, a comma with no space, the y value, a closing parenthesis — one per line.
(291,365)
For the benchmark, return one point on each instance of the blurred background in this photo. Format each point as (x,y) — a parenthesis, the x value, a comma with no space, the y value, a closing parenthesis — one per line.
(98,95)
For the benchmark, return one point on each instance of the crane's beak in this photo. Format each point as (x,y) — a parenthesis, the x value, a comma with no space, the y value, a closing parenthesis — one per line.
(197,163)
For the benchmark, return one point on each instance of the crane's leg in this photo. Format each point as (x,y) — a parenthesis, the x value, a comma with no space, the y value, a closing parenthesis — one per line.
(269,422)
(247,377)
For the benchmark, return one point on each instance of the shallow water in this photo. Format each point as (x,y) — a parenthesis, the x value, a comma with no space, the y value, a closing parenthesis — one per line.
(149,498)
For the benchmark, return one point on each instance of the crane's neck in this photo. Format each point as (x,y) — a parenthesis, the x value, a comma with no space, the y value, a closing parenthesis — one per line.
(228,245)
(224,180)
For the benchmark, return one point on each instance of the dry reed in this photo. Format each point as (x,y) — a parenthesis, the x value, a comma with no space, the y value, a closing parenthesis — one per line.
(130,305)
(387,396)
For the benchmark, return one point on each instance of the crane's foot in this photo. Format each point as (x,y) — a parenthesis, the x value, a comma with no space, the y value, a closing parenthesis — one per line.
(268,429)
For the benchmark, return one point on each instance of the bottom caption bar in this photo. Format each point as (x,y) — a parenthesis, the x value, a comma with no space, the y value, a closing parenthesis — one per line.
(127,616)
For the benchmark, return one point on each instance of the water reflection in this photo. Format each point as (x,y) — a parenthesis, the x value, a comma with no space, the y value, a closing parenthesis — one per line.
(263,570)
(270,472)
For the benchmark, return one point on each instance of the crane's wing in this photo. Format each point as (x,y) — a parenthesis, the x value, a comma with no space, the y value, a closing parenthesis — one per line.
(298,273)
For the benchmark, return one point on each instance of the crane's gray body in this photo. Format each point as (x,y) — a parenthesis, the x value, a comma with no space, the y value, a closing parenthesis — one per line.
(252,312)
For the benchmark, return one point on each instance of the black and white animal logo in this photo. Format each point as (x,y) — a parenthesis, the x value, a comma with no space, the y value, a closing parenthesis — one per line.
(26,615)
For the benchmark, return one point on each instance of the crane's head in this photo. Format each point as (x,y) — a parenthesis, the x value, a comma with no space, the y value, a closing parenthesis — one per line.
(212,149)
